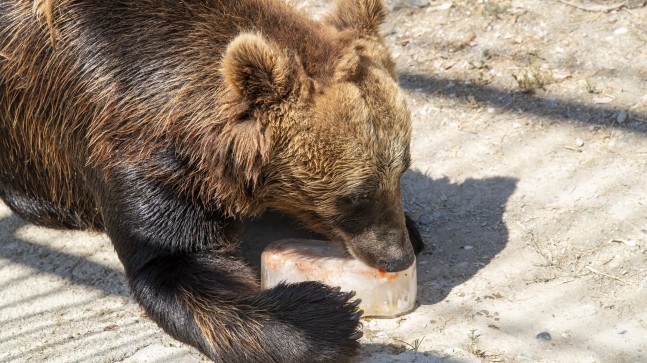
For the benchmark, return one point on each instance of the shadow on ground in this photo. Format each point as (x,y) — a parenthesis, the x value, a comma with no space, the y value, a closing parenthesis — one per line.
(75,269)
(529,103)
(462,225)
(379,353)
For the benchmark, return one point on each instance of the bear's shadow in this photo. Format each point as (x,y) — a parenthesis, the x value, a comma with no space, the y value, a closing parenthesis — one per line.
(462,224)
(452,217)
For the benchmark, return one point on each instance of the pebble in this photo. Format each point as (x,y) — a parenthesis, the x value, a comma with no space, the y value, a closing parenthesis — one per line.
(579,142)
(419,3)
(622,117)
(439,215)
(620,31)
(602,100)
(425,219)
(444,6)
(544,336)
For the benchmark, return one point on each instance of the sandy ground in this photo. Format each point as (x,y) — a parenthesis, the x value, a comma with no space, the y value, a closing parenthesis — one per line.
(529,181)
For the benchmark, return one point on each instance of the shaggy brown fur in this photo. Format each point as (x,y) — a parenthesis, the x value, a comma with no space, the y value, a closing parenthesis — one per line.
(160,121)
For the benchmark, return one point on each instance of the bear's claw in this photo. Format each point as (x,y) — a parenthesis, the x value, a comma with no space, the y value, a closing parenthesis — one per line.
(356,336)
(357,315)
(355,303)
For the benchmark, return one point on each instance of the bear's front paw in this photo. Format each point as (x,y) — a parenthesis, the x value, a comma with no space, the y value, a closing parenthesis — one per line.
(326,317)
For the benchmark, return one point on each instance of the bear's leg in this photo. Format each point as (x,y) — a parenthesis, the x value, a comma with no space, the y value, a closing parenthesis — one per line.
(46,213)
(213,304)
(184,271)
(414,235)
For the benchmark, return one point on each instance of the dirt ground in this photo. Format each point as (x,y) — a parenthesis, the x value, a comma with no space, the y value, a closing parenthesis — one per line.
(529,182)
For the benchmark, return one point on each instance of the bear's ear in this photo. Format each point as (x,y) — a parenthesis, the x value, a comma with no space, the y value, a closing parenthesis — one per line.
(255,70)
(363,16)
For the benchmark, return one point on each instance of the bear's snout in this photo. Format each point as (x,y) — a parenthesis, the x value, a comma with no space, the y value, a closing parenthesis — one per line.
(398,254)
(399,264)
(382,247)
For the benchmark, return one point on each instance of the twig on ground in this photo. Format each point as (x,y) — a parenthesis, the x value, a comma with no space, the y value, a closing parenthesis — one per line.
(573,149)
(606,275)
(441,328)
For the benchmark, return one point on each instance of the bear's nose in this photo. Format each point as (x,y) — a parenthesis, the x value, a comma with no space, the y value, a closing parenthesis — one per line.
(399,264)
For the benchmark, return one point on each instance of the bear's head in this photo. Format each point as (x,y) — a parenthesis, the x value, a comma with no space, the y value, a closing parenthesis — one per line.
(327,143)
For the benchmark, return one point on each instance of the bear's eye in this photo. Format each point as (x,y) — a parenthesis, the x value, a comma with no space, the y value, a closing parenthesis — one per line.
(359,198)
(354,200)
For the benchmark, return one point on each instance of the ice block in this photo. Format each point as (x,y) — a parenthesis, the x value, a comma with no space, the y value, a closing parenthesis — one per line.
(383,294)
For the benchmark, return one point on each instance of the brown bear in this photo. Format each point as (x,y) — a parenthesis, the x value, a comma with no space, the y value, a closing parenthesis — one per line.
(163,122)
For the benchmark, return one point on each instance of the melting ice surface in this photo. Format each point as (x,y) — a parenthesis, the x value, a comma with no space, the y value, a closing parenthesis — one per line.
(383,294)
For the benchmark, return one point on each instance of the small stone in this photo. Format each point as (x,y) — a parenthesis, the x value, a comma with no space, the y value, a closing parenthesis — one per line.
(468,247)
(561,74)
(579,142)
(620,31)
(622,117)
(425,219)
(544,336)
(602,100)
(419,3)
(444,6)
